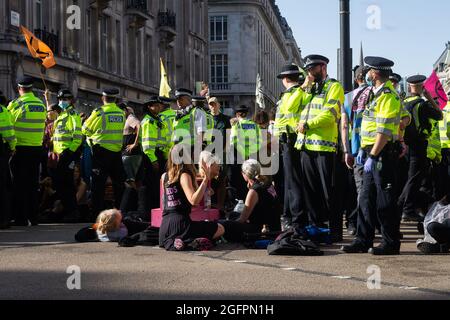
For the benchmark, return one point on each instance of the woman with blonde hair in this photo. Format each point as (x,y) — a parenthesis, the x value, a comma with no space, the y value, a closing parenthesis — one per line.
(109,226)
(181,192)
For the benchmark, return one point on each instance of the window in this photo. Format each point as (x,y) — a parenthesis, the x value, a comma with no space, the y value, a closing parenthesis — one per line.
(89,39)
(219,68)
(38,17)
(149,57)
(118,48)
(104,55)
(219,28)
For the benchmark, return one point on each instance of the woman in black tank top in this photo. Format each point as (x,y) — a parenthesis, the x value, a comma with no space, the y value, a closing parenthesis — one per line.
(180,194)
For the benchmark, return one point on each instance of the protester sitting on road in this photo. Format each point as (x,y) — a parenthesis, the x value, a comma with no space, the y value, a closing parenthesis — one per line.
(181,192)
(436,228)
(110,227)
(260,212)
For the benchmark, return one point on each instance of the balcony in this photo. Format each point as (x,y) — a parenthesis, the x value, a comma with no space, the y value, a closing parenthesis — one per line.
(167,24)
(50,38)
(137,12)
(101,4)
(220,86)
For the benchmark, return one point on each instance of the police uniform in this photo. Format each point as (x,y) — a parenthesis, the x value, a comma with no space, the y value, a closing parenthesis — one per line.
(318,147)
(416,137)
(168,117)
(28,117)
(444,133)
(378,194)
(245,142)
(7,145)
(104,131)
(199,102)
(285,126)
(154,140)
(189,124)
(67,139)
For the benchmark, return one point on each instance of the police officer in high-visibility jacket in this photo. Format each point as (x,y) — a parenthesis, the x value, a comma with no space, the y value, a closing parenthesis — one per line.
(28,116)
(104,130)
(67,140)
(379,132)
(201,103)
(7,146)
(245,143)
(423,112)
(286,120)
(318,140)
(154,140)
(167,116)
(190,123)
(444,172)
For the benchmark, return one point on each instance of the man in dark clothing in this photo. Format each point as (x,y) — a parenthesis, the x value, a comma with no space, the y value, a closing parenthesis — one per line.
(416,137)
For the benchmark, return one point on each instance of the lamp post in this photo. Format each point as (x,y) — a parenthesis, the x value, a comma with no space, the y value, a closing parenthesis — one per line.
(345,55)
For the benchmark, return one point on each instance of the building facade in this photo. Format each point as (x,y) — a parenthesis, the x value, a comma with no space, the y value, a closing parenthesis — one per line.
(442,67)
(247,38)
(117,43)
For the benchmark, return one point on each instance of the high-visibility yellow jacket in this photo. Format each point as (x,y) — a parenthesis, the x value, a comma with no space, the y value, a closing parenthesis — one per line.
(246,138)
(7,134)
(28,114)
(168,117)
(322,113)
(67,131)
(444,128)
(288,111)
(434,149)
(154,135)
(105,127)
(382,116)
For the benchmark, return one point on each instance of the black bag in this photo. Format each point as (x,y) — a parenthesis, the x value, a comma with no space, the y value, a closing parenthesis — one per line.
(148,237)
(87,234)
(291,244)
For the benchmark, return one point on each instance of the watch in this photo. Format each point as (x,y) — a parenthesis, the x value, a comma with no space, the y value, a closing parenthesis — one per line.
(371,156)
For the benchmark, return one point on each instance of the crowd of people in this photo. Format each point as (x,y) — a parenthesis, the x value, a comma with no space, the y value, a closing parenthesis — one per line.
(375,156)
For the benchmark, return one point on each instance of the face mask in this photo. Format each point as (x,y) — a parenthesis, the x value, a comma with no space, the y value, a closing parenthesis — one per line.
(64,105)
(369,81)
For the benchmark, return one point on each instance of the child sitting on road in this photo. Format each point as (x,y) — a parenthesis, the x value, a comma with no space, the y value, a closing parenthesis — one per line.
(110,227)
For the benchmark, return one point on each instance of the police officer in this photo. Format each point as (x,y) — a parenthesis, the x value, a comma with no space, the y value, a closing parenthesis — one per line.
(190,123)
(379,131)
(395,79)
(28,116)
(7,146)
(318,141)
(104,130)
(286,120)
(444,172)
(67,140)
(416,137)
(245,142)
(154,141)
(167,115)
(201,103)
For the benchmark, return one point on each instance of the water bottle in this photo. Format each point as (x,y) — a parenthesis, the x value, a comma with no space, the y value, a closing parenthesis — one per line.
(207,200)
(240,206)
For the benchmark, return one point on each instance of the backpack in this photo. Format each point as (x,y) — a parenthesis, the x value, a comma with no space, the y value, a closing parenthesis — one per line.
(291,244)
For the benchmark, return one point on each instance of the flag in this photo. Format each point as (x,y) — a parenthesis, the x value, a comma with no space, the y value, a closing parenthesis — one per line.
(164,88)
(38,49)
(259,93)
(434,86)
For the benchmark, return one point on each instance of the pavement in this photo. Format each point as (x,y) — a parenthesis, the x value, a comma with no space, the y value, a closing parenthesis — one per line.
(34,264)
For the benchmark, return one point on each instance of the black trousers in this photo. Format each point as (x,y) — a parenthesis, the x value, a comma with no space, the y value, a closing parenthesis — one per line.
(5,190)
(25,170)
(443,182)
(293,193)
(418,170)
(440,231)
(106,164)
(63,181)
(151,182)
(378,202)
(317,174)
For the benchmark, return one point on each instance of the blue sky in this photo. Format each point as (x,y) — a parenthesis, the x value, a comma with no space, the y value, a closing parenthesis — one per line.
(412,33)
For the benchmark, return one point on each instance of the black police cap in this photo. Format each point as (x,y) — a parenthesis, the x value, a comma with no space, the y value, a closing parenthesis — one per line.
(378,63)
(198,99)
(64,94)
(166,100)
(181,92)
(111,92)
(395,77)
(25,82)
(289,70)
(153,100)
(241,108)
(418,79)
(314,60)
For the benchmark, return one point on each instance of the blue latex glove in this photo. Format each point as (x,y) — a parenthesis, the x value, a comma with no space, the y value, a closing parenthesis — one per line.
(369,166)
(360,158)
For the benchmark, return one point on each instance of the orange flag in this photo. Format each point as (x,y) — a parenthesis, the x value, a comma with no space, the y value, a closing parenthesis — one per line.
(38,49)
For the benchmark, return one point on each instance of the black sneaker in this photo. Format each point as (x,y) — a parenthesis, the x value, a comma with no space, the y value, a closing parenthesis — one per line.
(429,248)
(384,250)
(355,247)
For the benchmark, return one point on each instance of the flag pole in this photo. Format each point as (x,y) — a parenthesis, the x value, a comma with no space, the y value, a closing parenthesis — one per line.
(42,75)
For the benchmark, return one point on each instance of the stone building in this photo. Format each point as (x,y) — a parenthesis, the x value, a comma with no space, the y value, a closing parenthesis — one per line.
(247,38)
(118,44)
(442,67)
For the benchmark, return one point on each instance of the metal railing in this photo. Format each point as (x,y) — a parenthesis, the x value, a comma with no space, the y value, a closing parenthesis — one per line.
(167,19)
(220,86)
(140,5)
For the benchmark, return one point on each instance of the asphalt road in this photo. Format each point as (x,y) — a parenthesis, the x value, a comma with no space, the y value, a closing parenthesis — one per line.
(34,262)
